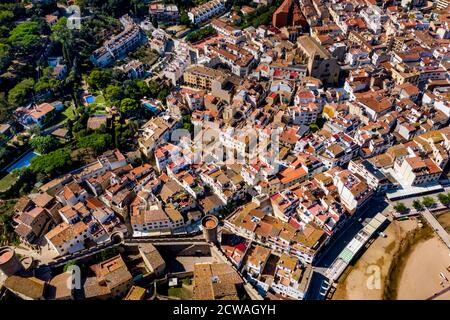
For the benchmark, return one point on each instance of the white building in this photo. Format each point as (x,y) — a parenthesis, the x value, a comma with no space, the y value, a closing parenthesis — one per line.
(416,171)
(205,11)
(288,277)
(374,18)
(353,191)
(119,45)
(305,114)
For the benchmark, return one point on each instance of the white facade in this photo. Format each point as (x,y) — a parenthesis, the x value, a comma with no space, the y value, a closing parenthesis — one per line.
(205,11)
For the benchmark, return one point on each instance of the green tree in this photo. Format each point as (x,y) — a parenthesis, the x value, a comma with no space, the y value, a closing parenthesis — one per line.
(98,142)
(54,162)
(25,36)
(6,16)
(400,207)
(5,55)
(428,202)
(184,18)
(444,199)
(44,144)
(129,107)
(42,85)
(68,265)
(143,88)
(162,95)
(99,79)
(200,34)
(187,123)
(314,127)
(417,205)
(21,93)
(63,35)
(153,87)
(34,130)
(113,94)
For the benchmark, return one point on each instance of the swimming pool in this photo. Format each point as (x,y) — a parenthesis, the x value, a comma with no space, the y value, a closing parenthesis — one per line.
(150,107)
(89,99)
(23,161)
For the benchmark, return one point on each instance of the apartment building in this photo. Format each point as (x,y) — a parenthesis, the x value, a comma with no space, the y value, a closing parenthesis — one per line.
(165,13)
(256,260)
(133,69)
(288,14)
(305,114)
(254,224)
(240,60)
(146,219)
(374,18)
(352,189)
(199,76)
(442,4)
(119,45)
(111,279)
(288,277)
(374,177)
(67,238)
(175,69)
(206,11)
(157,131)
(227,184)
(228,31)
(318,60)
(417,171)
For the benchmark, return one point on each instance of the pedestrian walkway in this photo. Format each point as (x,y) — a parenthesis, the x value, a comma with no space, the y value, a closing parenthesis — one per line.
(437,227)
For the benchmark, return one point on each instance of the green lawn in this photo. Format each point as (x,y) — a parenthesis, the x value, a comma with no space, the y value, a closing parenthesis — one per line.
(98,106)
(61,117)
(180,292)
(186,281)
(7,181)
(100,100)
(69,112)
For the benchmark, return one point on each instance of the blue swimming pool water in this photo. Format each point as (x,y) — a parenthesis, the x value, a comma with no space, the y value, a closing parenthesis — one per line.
(150,107)
(90,99)
(23,162)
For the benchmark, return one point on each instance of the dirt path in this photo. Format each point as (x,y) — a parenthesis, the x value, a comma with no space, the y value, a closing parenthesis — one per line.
(420,278)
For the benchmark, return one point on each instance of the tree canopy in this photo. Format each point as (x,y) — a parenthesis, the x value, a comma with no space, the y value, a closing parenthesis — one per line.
(95,141)
(99,79)
(50,163)
(44,144)
(417,205)
(428,202)
(21,92)
(5,55)
(444,199)
(200,34)
(400,207)
(25,36)
(129,107)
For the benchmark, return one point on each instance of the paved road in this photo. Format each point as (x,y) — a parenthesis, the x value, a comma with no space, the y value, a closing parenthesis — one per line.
(340,241)
(440,231)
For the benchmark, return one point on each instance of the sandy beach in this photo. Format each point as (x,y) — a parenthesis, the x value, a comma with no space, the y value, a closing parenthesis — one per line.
(379,254)
(420,278)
